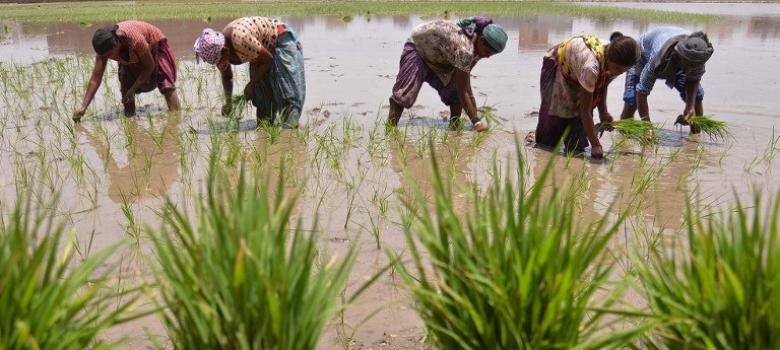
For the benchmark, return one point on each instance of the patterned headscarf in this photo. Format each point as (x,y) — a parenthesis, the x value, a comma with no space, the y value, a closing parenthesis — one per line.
(494,35)
(474,25)
(209,46)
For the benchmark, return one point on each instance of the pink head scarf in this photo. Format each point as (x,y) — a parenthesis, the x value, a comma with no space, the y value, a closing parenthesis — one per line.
(209,46)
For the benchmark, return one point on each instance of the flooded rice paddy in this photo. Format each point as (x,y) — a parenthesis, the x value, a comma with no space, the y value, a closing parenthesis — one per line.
(113,173)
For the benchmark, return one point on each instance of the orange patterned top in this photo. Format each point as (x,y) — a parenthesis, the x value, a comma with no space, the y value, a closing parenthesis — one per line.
(250,34)
(140,36)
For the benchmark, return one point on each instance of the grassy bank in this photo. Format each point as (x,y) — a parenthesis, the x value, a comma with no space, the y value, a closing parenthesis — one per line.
(115,10)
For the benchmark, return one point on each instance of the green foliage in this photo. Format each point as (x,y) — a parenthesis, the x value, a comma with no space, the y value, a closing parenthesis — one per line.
(90,11)
(721,290)
(48,299)
(715,129)
(517,270)
(637,130)
(236,276)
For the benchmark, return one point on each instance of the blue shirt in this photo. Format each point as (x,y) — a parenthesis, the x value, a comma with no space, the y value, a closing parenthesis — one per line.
(655,63)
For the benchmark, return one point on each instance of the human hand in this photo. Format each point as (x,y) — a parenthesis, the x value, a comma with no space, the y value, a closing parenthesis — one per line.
(606,119)
(650,135)
(596,152)
(79,113)
(688,113)
(480,126)
(129,96)
(249,91)
(227,108)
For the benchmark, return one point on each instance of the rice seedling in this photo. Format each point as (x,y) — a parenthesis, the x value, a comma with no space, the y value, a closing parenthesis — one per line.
(488,114)
(637,130)
(237,276)
(239,104)
(721,288)
(518,270)
(715,129)
(48,299)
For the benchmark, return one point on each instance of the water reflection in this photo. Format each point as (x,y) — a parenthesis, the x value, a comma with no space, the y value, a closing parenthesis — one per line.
(534,32)
(30,40)
(152,165)
(411,161)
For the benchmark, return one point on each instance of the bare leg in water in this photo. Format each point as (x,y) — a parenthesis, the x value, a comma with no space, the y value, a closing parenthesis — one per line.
(172,99)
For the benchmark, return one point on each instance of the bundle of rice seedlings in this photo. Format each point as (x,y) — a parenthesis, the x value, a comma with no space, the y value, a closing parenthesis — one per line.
(236,275)
(518,269)
(637,130)
(721,288)
(48,298)
(239,104)
(715,129)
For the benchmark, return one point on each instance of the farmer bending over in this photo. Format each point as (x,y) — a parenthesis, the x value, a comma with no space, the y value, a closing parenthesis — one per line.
(145,62)
(574,80)
(277,85)
(442,54)
(672,54)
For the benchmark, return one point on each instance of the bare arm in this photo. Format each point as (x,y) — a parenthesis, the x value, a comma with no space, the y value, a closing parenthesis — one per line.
(691,87)
(586,116)
(226,73)
(642,106)
(93,85)
(604,115)
(261,67)
(146,60)
(465,94)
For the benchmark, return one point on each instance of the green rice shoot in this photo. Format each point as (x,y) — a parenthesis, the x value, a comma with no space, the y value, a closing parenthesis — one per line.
(637,130)
(715,129)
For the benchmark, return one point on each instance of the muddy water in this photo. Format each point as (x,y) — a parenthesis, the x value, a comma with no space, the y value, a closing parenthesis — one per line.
(351,172)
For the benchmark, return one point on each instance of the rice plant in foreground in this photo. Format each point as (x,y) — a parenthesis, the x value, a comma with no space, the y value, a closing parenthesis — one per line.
(715,129)
(236,276)
(48,299)
(637,130)
(517,270)
(723,290)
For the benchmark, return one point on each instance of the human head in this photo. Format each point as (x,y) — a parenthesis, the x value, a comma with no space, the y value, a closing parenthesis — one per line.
(694,50)
(622,52)
(208,46)
(491,41)
(105,40)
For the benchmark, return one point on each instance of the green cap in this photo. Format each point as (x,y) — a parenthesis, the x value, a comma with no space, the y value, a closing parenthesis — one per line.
(495,37)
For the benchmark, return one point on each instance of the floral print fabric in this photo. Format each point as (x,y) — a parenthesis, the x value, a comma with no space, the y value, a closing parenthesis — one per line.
(444,47)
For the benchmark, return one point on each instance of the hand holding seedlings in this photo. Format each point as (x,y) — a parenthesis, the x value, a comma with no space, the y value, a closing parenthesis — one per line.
(715,129)
(480,126)
(79,113)
(596,152)
(606,120)
(227,108)
(249,91)
(128,96)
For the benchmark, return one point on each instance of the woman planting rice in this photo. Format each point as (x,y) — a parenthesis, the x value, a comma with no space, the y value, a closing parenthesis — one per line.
(145,62)
(442,54)
(675,55)
(277,85)
(574,80)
